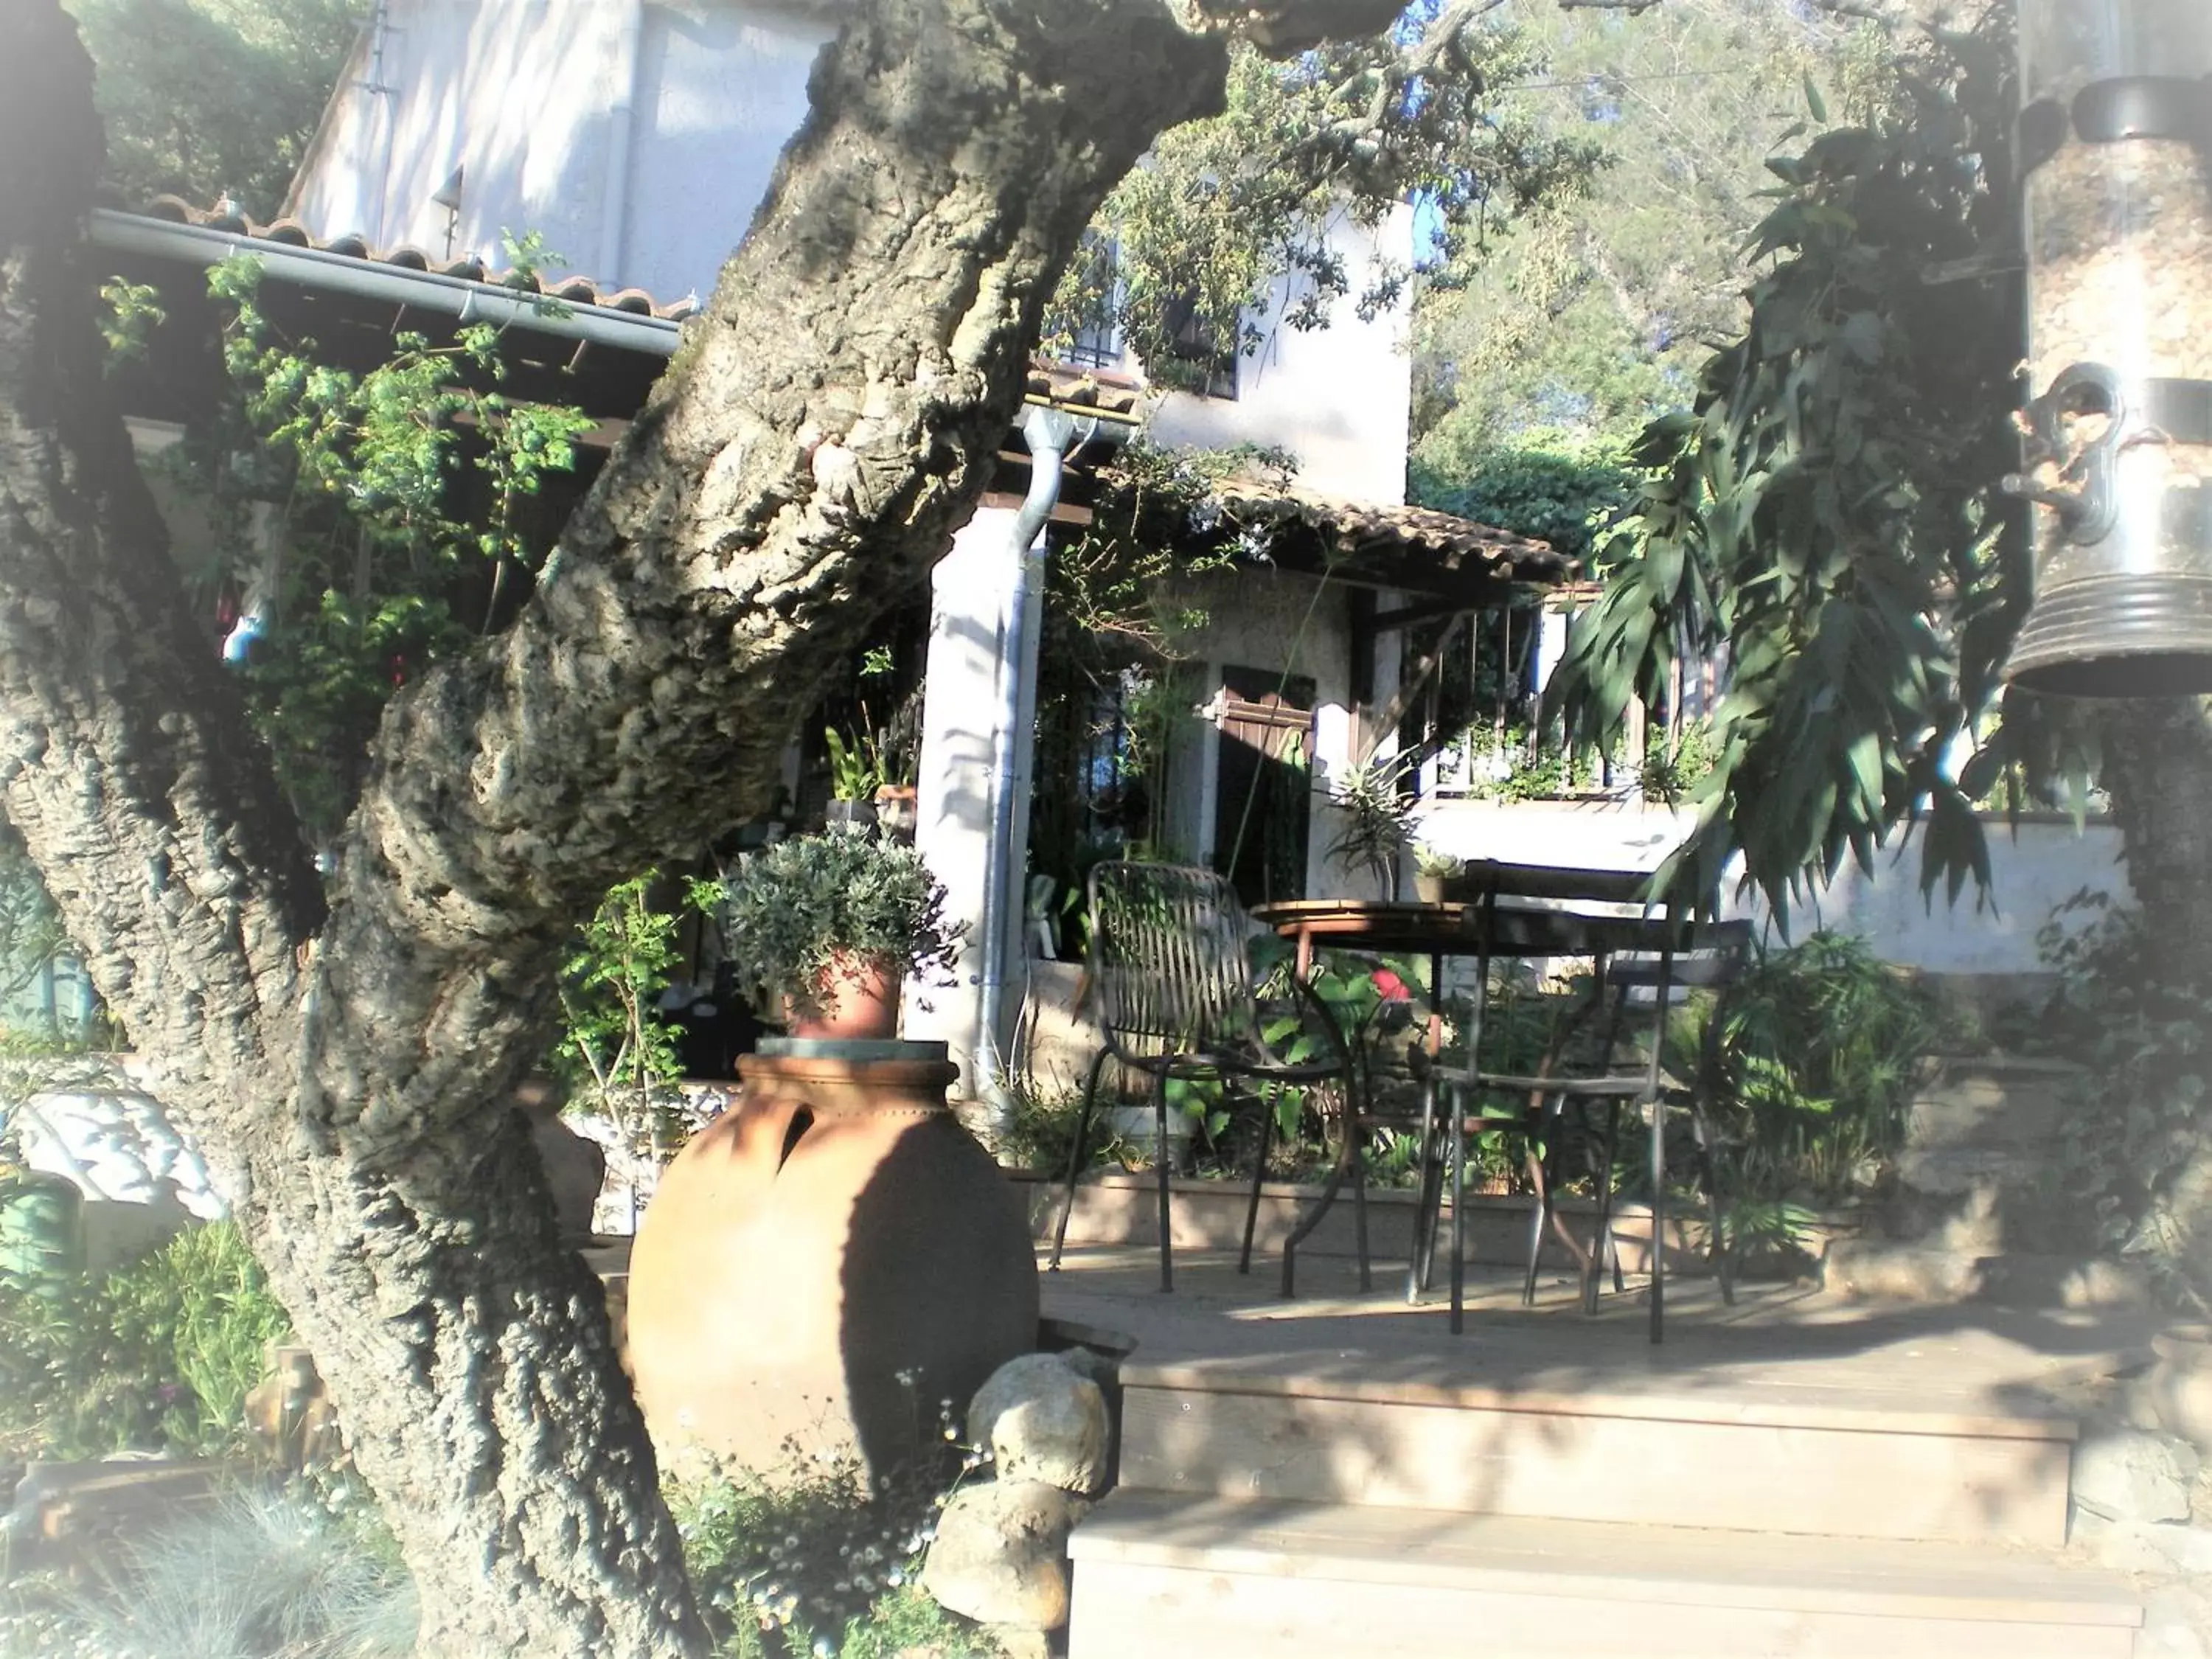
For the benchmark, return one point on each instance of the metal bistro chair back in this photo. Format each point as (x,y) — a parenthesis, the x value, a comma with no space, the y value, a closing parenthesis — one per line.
(1170,968)
(1170,961)
(1523,911)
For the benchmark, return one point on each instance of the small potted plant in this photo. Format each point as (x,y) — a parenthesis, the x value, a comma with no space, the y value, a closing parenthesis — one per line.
(1376,823)
(856,769)
(1432,870)
(823,930)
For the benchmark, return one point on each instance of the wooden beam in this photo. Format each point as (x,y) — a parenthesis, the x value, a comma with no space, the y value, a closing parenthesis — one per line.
(1412,687)
(1062,511)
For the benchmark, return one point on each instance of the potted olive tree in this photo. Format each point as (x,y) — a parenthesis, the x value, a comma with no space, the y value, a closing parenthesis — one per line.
(823,929)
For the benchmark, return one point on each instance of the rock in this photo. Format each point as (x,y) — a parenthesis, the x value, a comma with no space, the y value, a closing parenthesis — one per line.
(1042,1422)
(1870,1270)
(2129,1474)
(1091,1366)
(2177,1624)
(575,1170)
(2155,1548)
(1016,1642)
(1000,1554)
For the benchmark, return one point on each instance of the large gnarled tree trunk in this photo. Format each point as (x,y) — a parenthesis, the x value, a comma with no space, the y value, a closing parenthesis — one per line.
(344,1058)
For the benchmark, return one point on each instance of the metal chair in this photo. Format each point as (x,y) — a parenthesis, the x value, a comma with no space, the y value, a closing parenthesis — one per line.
(1714,959)
(1536,920)
(1179,995)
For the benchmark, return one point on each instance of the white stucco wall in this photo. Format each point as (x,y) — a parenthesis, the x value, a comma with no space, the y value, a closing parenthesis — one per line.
(1273,620)
(2033,869)
(637,139)
(1339,399)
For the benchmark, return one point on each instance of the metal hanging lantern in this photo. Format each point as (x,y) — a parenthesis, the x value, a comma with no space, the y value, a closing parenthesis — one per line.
(2116,145)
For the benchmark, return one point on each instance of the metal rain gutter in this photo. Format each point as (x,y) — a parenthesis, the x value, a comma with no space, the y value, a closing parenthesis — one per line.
(457,297)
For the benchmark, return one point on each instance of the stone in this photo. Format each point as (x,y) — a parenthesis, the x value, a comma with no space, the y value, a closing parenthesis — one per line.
(2177,1624)
(1014,1643)
(2130,1475)
(1000,1554)
(1042,1422)
(2155,1548)
(1092,1365)
(1870,1270)
(575,1170)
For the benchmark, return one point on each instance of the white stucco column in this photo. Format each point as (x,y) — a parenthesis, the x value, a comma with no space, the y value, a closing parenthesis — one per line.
(1551,646)
(956,790)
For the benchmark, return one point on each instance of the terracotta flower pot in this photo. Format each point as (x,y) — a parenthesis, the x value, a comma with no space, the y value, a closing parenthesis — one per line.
(857,1000)
(826,1263)
(895,810)
(2180,1383)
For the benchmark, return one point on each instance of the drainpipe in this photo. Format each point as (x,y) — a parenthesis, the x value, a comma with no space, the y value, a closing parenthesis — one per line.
(629,68)
(1049,433)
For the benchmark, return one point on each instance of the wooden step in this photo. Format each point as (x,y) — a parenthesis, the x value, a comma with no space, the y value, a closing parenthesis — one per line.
(1742,1447)
(1160,1574)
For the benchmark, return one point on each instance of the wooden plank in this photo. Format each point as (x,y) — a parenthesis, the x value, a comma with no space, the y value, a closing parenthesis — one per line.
(1585,1466)
(1644,1564)
(1062,511)
(1165,1612)
(1732,1396)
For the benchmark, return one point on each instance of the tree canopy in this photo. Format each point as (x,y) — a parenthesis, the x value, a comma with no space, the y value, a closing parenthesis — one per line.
(213,99)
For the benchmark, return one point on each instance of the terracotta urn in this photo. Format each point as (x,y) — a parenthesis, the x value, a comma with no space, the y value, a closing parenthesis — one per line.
(826,1265)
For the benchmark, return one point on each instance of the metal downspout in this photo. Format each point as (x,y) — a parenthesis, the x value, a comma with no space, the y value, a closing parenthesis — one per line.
(1050,433)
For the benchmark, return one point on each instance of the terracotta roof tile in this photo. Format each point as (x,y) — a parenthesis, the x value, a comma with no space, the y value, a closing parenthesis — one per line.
(1359,529)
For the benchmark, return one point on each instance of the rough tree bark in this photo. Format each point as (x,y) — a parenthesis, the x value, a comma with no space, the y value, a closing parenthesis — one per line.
(2157,769)
(343,1051)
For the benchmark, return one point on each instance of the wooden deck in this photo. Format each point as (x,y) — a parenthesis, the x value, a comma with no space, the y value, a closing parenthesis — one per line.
(1795,1475)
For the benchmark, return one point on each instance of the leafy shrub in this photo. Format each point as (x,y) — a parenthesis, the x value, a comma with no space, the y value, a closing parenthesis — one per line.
(791,910)
(1561,487)
(2134,1150)
(158,1356)
(1819,1048)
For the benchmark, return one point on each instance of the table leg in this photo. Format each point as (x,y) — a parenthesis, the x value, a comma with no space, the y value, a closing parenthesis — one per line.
(1430,1196)
(1658,1108)
(1457,1132)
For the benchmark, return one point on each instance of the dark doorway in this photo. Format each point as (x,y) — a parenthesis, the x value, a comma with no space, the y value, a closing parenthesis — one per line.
(1266,781)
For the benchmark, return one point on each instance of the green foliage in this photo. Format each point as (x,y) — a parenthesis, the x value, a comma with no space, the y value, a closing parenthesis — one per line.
(1591,310)
(157,1356)
(360,508)
(31,932)
(1514,765)
(1561,487)
(1675,767)
(618,1054)
(213,98)
(2135,1144)
(818,1560)
(856,768)
(1819,1048)
(1829,511)
(1225,206)
(1039,1132)
(793,912)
